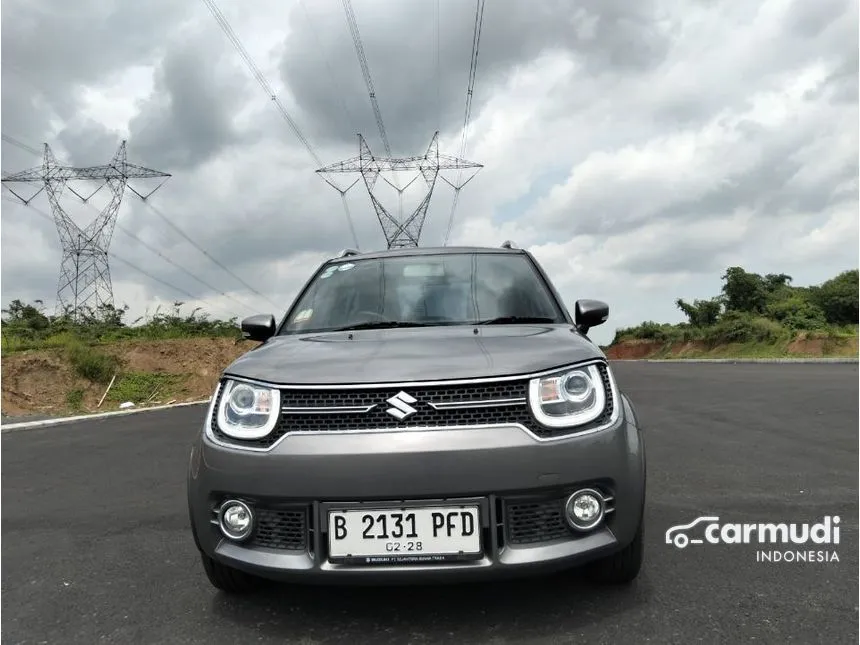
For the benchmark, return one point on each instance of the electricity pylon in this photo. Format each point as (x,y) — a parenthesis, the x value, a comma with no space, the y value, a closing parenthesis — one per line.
(85,282)
(403,232)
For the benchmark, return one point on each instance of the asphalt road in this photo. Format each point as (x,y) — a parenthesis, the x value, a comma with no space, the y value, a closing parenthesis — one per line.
(96,547)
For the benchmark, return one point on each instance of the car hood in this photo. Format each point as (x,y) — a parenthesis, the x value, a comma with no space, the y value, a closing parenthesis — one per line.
(413,354)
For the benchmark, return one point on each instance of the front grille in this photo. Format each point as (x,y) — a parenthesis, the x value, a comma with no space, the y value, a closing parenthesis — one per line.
(536,521)
(285,529)
(359,397)
(362,409)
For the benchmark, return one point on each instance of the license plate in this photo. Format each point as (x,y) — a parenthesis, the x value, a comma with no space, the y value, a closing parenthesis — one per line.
(423,534)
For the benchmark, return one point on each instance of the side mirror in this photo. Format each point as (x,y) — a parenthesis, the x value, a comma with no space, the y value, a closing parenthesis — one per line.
(260,327)
(590,313)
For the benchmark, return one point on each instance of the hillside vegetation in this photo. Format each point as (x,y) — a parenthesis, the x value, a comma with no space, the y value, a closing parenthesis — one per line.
(755,315)
(27,326)
(56,364)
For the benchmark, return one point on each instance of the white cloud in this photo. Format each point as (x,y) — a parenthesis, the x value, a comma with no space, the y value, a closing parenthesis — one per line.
(115,103)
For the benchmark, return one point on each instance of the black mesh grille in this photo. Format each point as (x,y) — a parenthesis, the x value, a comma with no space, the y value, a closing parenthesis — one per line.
(373,396)
(530,522)
(285,529)
(425,416)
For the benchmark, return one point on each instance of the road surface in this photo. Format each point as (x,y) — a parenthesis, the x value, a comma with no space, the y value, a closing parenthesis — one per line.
(96,547)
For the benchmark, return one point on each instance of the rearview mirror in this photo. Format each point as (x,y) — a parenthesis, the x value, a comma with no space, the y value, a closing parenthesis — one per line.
(590,313)
(260,327)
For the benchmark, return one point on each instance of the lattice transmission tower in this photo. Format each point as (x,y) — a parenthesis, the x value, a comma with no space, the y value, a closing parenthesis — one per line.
(404,231)
(85,282)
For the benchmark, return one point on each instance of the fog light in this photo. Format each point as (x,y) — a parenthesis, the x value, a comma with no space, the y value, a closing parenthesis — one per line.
(235,519)
(584,509)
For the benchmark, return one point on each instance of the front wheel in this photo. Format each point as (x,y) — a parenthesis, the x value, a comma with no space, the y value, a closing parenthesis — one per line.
(226,578)
(621,567)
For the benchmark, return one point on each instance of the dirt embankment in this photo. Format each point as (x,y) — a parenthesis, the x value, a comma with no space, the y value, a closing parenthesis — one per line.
(798,348)
(41,381)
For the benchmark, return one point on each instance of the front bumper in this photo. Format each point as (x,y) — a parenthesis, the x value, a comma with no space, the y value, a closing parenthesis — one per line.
(519,483)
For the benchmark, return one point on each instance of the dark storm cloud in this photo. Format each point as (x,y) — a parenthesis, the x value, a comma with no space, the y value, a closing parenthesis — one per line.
(90,144)
(49,49)
(321,68)
(188,118)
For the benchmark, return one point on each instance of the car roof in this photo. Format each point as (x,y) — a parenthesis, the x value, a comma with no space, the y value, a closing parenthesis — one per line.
(418,251)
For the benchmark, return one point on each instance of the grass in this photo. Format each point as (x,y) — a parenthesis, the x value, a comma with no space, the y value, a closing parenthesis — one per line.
(75,400)
(12,343)
(140,387)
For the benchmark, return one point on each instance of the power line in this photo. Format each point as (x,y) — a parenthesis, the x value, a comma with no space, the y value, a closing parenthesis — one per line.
(365,71)
(438,70)
(350,118)
(22,146)
(368,81)
(258,75)
(473,68)
(203,251)
(133,266)
(184,270)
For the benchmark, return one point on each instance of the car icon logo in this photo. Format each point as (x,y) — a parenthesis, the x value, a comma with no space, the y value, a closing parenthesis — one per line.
(400,407)
(676,535)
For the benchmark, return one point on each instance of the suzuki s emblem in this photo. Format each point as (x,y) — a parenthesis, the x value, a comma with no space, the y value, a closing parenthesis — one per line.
(400,407)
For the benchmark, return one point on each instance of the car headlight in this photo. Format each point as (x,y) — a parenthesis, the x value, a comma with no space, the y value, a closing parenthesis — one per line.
(248,411)
(569,398)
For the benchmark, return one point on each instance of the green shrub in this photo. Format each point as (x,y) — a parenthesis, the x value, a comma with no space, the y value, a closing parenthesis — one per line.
(797,313)
(92,364)
(75,399)
(742,327)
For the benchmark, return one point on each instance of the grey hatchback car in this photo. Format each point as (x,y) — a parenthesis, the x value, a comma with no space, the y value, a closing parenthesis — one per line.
(419,414)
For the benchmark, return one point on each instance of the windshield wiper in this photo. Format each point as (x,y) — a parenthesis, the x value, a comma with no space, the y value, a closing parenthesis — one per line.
(512,320)
(380,324)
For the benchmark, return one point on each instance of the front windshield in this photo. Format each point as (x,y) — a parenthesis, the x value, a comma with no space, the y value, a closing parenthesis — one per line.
(444,289)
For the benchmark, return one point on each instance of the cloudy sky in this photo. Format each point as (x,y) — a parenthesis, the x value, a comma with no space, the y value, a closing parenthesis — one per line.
(638,149)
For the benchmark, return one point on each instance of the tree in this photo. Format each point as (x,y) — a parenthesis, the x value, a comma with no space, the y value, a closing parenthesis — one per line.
(701,313)
(744,291)
(838,298)
(774,282)
(26,316)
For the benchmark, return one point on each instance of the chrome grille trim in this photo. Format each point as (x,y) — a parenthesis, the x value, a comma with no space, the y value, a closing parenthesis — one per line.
(363,409)
(465,405)
(335,409)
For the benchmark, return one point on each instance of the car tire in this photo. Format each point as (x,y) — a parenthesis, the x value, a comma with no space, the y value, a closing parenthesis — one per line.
(621,567)
(226,578)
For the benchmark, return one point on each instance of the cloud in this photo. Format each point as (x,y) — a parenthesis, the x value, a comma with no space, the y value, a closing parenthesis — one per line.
(638,149)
